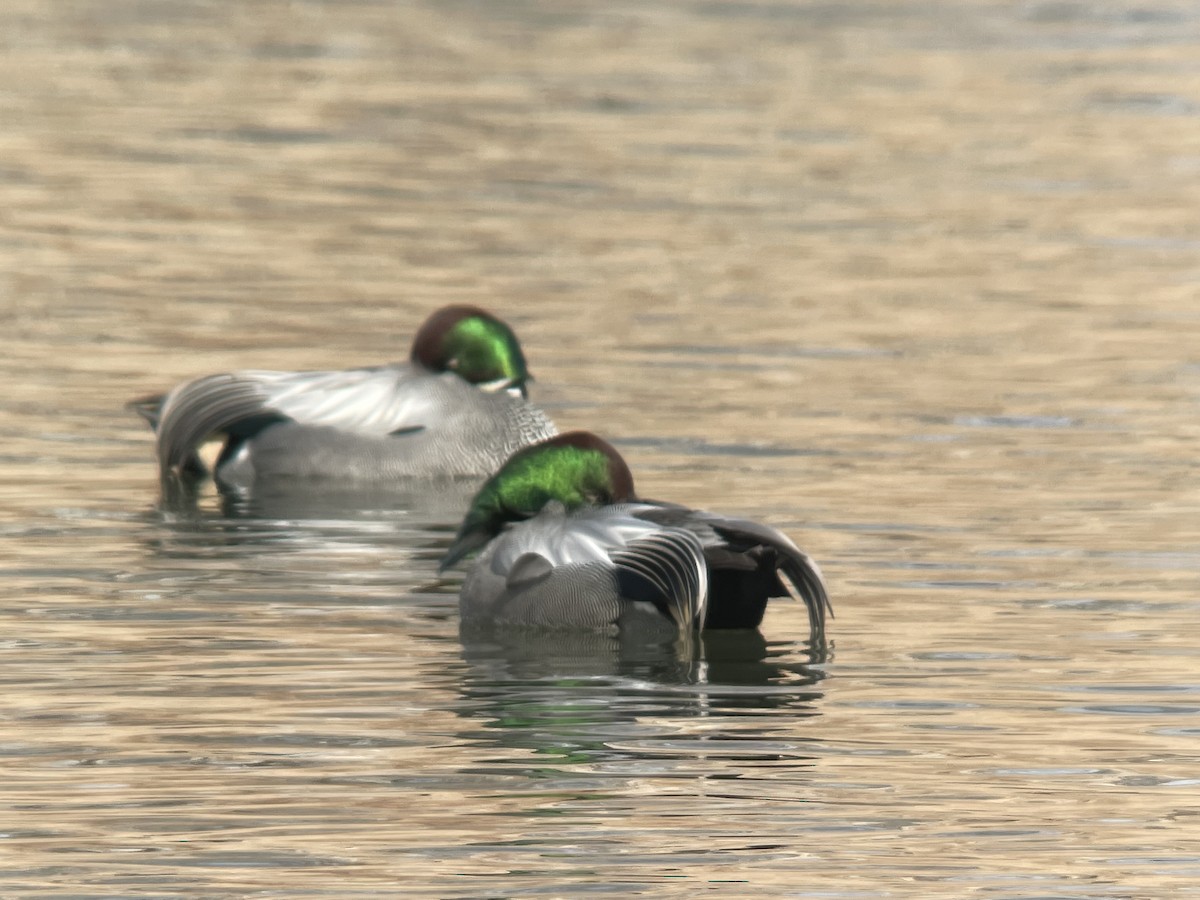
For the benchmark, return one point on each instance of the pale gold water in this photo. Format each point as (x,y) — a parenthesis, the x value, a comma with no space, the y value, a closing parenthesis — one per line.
(918,283)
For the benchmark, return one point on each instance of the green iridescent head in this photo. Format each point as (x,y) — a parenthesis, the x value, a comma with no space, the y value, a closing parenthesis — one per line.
(577,469)
(473,344)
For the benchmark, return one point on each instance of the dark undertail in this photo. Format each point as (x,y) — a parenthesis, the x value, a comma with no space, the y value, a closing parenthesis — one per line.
(740,584)
(737,598)
(756,555)
(243,430)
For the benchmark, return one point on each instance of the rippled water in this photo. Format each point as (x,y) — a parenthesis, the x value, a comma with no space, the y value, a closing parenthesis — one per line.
(917,283)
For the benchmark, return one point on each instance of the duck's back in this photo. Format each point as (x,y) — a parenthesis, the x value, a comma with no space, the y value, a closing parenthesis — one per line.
(445,428)
(558,571)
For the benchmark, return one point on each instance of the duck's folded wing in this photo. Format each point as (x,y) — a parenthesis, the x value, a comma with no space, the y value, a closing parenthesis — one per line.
(195,411)
(378,400)
(738,544)
(666,568)
(368,401)
(662,566)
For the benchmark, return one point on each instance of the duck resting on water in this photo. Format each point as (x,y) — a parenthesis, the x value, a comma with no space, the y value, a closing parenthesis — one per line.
(566,544)
(457,407)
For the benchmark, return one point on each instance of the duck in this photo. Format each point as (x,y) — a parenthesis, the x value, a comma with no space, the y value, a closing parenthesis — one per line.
(458,407)
(565,543)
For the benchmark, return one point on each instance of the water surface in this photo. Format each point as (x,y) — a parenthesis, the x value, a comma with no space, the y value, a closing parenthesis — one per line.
(916,283)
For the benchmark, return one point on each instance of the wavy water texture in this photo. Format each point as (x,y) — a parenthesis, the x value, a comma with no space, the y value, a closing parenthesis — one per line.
(914,282)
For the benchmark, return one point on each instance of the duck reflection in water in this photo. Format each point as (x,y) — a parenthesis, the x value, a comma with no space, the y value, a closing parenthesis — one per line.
(588,698)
